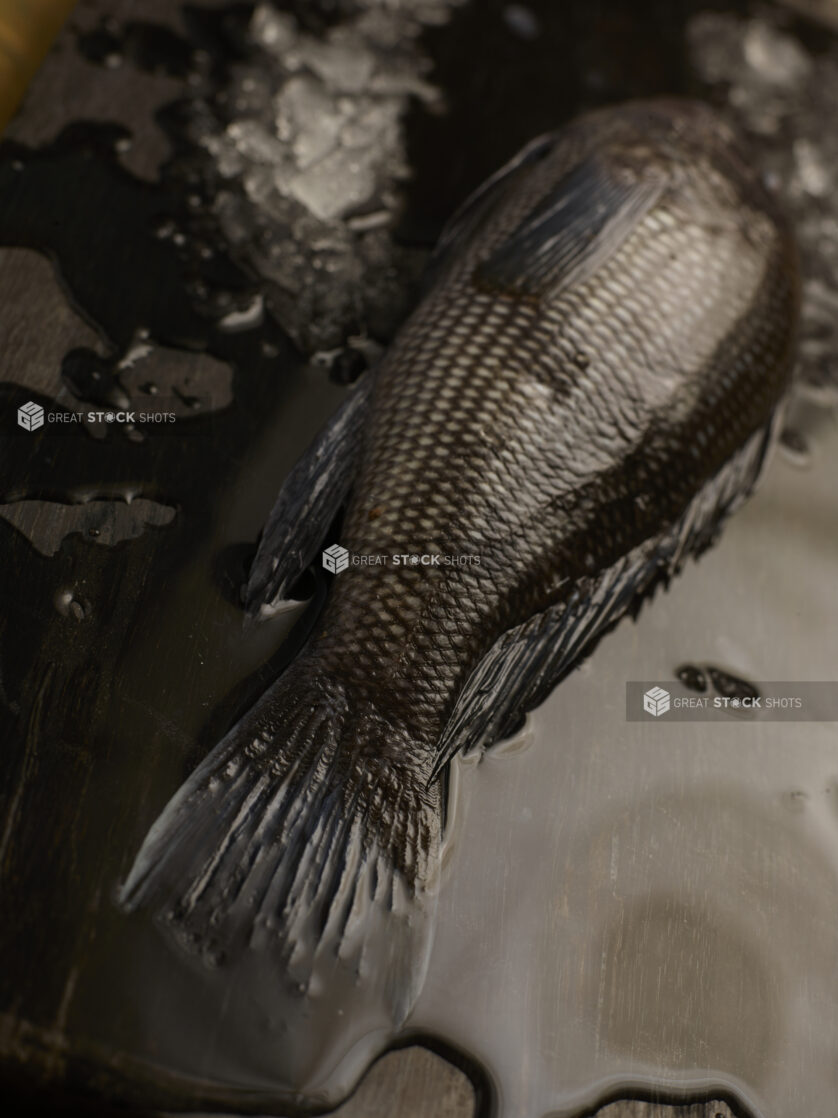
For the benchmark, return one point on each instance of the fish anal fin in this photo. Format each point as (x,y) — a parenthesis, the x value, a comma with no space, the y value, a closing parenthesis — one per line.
(527,662)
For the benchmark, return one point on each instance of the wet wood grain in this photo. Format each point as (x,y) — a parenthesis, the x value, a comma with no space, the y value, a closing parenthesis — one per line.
(37,327)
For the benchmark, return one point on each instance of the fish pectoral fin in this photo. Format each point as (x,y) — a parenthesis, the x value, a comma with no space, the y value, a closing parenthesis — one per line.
(308,502)
(527,662)
(573,230)
(292,847)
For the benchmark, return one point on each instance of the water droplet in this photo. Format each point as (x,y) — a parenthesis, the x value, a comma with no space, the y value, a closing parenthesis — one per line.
(692,677)
(581,360)
(731,686)
(795,446)
(796,799)
(68,605)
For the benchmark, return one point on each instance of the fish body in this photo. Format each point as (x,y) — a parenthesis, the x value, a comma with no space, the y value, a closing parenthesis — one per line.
(584,393)
(545,427)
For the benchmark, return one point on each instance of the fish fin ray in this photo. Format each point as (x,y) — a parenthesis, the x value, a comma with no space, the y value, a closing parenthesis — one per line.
(460,229)
(285,841)
(527,662)
(308,501)
(573,230)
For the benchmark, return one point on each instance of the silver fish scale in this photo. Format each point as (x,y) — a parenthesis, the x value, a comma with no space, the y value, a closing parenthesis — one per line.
(547,436)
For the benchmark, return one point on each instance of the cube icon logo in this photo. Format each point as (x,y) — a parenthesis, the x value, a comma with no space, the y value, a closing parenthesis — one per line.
(30,416)
(656,701)
(335,558)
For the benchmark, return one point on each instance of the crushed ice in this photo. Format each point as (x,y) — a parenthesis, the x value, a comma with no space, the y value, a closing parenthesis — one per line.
(784,96)
(313,151)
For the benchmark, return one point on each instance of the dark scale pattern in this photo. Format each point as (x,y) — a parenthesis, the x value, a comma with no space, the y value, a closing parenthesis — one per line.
(578,427)
(550,436)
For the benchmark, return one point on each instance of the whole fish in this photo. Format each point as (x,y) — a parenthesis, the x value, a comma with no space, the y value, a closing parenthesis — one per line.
(584,393)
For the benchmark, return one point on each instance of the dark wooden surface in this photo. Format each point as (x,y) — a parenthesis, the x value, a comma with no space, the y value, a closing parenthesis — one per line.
(62,667)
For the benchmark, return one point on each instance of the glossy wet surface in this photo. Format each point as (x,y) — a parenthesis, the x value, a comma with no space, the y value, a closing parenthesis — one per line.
(651,903)
(625,906)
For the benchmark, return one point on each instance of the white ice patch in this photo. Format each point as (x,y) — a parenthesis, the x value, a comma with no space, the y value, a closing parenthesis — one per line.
(315,163)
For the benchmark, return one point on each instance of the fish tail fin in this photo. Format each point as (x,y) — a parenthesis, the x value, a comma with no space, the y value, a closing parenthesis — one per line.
(307,835)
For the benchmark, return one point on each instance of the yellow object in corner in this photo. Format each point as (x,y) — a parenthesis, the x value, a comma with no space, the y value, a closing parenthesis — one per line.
(27,30)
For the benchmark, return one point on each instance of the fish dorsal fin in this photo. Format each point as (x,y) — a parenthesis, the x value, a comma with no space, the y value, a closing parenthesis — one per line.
(468,219)
(575,228)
